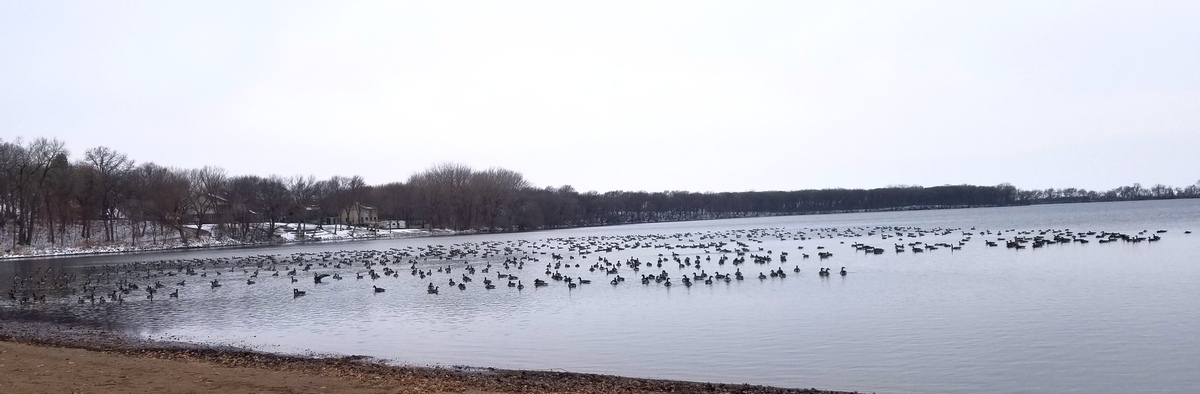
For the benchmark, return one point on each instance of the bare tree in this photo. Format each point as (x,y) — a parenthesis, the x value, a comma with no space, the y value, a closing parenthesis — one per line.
(49,161)
(331,194)
(442,191)
(14,168)
(110,166)
(271,200)
(302,191)
(208,186)
(166,193)
(495,191)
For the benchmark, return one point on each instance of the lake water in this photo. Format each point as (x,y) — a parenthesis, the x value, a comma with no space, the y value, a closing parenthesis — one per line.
(1066,317)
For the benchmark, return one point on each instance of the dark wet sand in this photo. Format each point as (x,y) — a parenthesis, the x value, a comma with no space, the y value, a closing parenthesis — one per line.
(45,357)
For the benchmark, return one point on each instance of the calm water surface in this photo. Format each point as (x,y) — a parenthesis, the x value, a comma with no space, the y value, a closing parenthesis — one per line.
(1115,317)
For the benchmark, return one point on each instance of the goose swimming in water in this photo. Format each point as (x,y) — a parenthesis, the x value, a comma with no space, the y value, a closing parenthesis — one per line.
(378,289)
(297,293)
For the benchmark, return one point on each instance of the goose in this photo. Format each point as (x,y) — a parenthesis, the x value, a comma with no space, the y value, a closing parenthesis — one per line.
(317,277)
(378,289)
(843,271)
(297,293)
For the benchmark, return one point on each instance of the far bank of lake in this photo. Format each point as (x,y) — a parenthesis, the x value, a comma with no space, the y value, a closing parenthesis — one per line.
(1067,315)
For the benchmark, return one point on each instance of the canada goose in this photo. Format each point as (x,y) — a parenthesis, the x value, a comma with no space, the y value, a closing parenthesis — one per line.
(297,293)
(843,271)
(378,289)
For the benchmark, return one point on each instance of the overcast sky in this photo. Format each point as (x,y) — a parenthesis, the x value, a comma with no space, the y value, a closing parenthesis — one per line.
(608,95)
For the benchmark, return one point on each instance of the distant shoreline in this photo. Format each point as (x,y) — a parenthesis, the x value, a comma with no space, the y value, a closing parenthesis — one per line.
(50,253)
(223,244)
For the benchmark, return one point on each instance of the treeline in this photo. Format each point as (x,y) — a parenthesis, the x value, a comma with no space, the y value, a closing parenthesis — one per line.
(47,198)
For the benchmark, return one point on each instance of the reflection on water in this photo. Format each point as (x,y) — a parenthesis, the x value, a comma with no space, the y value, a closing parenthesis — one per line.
(1071,317)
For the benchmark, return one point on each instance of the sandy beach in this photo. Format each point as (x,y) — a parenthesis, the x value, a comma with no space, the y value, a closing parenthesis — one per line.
(43,357)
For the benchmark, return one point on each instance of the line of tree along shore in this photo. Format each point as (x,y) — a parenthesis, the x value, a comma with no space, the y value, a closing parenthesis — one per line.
(48,199)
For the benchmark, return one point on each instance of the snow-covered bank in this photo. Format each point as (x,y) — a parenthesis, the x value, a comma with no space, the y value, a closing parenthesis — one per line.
(284,234)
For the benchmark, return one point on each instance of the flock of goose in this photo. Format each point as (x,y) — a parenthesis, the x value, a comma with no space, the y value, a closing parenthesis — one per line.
(683,259)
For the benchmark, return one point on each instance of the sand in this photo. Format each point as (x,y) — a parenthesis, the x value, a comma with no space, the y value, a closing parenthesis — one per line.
(42,369)
(50,355)
(102,363)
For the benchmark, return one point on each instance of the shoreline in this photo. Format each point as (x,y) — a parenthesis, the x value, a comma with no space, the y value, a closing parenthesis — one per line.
(114,250)
(41,253)
(37,339)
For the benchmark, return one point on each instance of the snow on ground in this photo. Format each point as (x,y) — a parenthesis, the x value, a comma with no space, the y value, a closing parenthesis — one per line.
(285,233)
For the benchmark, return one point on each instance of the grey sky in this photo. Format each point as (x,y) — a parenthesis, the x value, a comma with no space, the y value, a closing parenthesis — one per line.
(701,96)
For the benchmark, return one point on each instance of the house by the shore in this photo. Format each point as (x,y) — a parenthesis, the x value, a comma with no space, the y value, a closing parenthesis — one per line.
(356,214)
